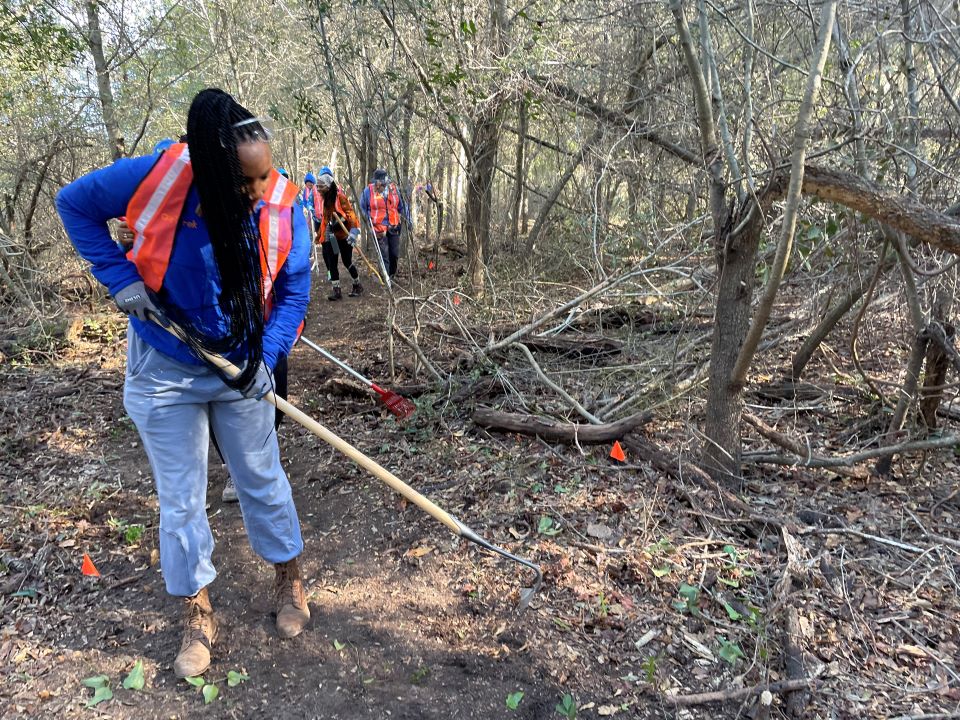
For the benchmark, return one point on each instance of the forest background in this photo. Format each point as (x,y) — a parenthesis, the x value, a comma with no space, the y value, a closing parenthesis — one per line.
(740,217)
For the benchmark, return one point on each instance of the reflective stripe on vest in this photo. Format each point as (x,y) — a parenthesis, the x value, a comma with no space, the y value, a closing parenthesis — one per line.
(384,210)
(311,199)
(276,230)
(154,211)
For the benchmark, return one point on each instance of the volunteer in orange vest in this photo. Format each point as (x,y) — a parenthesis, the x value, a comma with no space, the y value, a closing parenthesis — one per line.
(382,203)
(220,249)
(339,233)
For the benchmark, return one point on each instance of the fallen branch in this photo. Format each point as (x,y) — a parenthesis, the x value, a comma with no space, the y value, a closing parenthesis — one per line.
(587,415)
(558,430)
(683,470)
(815,461)
(788,443)
(527,329)
(720,696)
(866,536)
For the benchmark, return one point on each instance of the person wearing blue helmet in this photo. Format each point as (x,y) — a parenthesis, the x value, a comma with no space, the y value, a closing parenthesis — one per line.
(310,200)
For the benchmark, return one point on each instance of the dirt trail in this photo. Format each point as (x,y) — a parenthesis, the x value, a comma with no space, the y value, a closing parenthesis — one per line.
(653,585)
(393,634)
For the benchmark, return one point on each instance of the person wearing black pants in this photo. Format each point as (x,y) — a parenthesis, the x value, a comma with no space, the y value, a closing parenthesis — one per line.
(383,204)
(339,233)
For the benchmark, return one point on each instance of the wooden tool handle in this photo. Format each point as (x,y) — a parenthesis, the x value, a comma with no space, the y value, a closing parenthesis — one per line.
(331,438)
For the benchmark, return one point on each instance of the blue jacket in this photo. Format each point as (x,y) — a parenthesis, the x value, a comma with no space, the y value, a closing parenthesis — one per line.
(192,281)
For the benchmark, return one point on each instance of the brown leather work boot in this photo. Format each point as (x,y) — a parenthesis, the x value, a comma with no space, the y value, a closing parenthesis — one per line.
(199,634)
(292,610)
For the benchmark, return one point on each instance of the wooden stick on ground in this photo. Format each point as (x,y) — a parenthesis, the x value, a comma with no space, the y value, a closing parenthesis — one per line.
(557,430)
(720,696)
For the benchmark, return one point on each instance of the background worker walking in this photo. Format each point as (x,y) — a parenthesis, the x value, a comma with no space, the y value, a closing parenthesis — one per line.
(338,234)
(310,199)
(382,203)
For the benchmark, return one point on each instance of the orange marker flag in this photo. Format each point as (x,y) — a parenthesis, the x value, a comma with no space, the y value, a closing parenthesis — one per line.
(88,568)
(456,299)
(430,266)
(616,452)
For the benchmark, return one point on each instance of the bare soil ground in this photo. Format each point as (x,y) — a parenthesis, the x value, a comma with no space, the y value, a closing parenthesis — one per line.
(653,587)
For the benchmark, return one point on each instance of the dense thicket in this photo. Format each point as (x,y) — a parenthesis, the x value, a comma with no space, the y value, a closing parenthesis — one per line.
(578,140)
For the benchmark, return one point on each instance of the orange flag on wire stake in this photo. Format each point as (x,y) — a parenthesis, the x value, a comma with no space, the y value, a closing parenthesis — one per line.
(88,568)
(430,266)
(616,452)
(456,299)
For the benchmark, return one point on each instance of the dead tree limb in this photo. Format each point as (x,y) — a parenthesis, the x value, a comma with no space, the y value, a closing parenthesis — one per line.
(788,443)
(570,400)
(907,393)
(737,694)
(558,430)
(818,461)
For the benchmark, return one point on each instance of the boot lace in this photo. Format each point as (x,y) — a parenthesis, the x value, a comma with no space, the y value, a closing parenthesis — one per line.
(285,587)
(195,620)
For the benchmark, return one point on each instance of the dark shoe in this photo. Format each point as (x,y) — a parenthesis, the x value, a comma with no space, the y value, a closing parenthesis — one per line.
(337,294)
(199,634)
(292,610)
(357,290)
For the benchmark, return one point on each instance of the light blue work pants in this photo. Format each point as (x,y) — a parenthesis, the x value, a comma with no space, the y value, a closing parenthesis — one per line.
(174,405)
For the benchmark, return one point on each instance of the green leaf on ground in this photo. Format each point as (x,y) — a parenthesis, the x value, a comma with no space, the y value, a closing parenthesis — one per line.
(731,613)
(513,699)
(97,681)
(195,681)
(662,571)
(338,645)
(135,679)
(546,526)
(102,693)
(234,678)
(567,707)
(210,693)
(729,651)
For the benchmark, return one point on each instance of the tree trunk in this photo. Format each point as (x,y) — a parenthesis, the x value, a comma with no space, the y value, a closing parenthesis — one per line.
(736,266)
(480,169)
(516,201)
(935,375)
(554,194)
(95,44)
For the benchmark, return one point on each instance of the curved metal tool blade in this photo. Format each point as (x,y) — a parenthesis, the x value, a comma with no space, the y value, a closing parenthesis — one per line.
(527,593)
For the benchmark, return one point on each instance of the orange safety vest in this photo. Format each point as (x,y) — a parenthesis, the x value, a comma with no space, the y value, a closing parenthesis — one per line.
(317,199)
(384,211)
(324,216)
(154,211)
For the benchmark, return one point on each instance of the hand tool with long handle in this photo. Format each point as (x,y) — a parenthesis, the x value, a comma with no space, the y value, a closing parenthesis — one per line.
(357,249)
(371,466)
(398,405)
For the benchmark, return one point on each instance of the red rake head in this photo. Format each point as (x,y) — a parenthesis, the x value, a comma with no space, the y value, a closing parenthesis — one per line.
(399,406)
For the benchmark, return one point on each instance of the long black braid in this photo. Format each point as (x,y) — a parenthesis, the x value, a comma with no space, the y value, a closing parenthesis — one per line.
(212,137)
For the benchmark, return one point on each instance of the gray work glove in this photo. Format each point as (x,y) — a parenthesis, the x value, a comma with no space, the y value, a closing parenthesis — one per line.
(260,385)
(135,300)
(354,237)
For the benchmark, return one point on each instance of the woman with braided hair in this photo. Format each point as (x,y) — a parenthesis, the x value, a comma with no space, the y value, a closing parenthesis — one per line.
(220,250)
